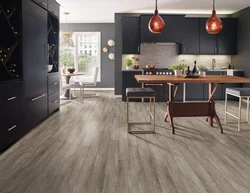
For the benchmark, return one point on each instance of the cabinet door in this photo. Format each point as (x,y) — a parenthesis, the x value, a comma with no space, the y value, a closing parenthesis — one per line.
(53,7)
(129,81)
(42,3)
(170,33)
(194,91)
(208,42)
(34,49)
(189,36)
(227,38)
(131,35)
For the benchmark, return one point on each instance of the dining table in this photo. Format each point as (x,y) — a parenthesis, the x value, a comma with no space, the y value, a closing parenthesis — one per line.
(191,108)
(66,94)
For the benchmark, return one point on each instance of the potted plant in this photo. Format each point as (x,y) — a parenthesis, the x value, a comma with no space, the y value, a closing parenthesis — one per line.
(202,70)
(178,69)
(128,64)
(64,58)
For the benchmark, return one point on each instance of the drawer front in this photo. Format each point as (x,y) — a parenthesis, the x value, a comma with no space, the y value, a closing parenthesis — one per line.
(42,3)
(53,7)
(53,84)
(36,109)
(54,102)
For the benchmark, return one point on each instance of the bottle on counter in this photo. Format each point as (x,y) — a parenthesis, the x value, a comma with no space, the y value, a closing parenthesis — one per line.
(229,66)
(195,71)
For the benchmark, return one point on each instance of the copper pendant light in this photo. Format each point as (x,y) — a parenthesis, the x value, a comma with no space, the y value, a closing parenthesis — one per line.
(156,24)
(214,24)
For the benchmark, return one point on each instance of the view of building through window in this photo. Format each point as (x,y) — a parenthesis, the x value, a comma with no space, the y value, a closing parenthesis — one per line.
(86,54)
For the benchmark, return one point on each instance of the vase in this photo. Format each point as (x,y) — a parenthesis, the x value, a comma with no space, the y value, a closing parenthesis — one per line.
(128,67)
(202,73)
(64,69)
(178,73)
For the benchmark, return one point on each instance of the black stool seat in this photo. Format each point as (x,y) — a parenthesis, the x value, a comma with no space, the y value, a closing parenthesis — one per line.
(238,91)
(140,92)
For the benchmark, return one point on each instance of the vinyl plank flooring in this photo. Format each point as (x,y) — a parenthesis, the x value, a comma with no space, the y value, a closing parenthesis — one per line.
(85,147)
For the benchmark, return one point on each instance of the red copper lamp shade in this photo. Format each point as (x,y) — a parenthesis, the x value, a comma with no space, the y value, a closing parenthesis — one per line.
(156,24)
(214,24)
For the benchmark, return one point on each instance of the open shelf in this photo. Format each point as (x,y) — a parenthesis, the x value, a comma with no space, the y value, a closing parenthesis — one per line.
(10,44)
(53,44)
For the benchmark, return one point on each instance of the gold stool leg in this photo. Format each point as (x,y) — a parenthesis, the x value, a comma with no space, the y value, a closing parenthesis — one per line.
(154,114)
(127,114)
(226,108)
(248,109)
(239,118)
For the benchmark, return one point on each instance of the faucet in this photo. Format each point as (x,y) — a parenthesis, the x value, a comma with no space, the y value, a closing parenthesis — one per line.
(213,64)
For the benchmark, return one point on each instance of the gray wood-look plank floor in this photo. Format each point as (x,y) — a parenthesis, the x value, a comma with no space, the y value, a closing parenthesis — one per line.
(85,148)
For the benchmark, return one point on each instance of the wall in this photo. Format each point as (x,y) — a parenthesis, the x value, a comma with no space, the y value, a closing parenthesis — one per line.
(107,31)
(164,55)
(242,60)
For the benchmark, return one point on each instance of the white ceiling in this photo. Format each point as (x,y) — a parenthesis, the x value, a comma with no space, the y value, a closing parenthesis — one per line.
(102,11)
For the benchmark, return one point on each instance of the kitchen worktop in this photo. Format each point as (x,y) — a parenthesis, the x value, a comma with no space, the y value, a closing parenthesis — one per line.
(133,69)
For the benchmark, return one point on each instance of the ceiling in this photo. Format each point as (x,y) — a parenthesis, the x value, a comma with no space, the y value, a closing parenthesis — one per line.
(102,11)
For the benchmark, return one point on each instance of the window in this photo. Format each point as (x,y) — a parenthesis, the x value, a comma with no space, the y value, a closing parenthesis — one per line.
(86,54)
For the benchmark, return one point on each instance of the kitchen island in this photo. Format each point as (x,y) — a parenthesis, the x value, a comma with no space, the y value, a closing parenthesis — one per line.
(191,109)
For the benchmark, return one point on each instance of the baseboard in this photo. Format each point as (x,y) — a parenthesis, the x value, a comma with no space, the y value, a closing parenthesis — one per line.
(118,96)
(95,89)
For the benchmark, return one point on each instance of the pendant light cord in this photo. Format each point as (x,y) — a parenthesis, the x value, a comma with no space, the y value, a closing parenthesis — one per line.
(156,5)
(213,4)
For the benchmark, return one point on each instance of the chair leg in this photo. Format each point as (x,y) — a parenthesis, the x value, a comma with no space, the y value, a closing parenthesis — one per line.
(150,109)
(226,108)
(154,114)
(127,114)
(239,118)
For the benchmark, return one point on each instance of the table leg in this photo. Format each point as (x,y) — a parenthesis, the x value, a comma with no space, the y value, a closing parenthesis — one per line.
(172,94)
(65,96)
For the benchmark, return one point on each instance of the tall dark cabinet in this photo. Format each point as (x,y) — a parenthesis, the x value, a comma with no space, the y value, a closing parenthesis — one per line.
(25,56)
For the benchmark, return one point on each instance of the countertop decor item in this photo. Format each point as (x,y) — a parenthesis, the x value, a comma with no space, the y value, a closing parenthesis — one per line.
(50,66)
(105,49)
(202,70)
(128,64)
(71,69)
(214,24)
(178,69)
(156,24)
(150,66)
(111,42)
(111,56)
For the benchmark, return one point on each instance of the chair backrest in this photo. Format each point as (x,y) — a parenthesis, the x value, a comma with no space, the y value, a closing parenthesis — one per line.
(95,72)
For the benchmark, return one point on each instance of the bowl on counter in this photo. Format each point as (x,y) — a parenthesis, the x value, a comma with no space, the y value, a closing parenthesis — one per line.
(50,67)
(150,66)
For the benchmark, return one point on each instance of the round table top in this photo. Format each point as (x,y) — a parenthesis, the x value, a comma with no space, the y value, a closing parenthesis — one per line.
(73,74)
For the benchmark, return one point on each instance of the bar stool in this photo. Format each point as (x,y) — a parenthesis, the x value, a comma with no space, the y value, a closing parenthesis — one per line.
(141,93)
(241,93)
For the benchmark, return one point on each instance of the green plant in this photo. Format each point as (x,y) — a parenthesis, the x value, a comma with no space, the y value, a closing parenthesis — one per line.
(71,68)
(66,58)
(202,68)
(180,66)
(129,62)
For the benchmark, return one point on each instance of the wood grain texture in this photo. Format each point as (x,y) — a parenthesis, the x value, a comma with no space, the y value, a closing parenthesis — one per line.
(85,148)
(175,79)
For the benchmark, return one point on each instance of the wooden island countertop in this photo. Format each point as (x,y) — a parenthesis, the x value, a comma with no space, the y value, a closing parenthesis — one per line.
(174,79)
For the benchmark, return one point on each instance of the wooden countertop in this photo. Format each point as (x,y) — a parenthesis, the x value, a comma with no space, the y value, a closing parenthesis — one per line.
(174,79)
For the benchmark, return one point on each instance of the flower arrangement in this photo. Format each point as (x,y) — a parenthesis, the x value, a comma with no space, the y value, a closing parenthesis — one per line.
(202,68)
(180,66)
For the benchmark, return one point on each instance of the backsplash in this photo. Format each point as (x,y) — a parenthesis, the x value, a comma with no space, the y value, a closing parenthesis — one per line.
(164,55)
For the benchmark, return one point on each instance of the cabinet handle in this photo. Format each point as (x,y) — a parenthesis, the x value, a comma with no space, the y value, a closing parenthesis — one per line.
(184,49)
(34,99)
(55,83)
(12,98)
(54,12)
(43,3)
(55,101)
(138,49)
(13,127)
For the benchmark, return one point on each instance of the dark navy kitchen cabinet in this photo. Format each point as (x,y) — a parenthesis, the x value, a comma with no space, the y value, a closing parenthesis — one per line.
(194,91)
(131,35)
(227,38)
(208,42)
(188,36)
